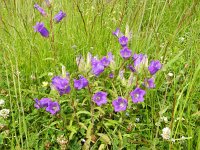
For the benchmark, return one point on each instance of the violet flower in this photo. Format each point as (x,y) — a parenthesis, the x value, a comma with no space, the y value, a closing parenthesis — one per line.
(111,75)
(154,66)
(61,85)
(81,83)
(150,83)
(117,33)
(105,61)
(58,17)
(100,98)
(123,41)
(125,53)
(137,95)
(53,108)
(41,10)
(131,68)
(140,60)
(97,66)
(120,104)
(39,27)
(42,103)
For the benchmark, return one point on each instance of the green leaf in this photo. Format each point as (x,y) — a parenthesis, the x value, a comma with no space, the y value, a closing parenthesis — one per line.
(83,112)
(104,138)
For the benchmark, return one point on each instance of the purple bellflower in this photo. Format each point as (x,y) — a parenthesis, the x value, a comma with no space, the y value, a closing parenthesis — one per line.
(61,85)
(117,33)
(41,10)
(131,68)
(58,17)
(123,41)
(137,95)
(81,83)
(140,61)
(150,83)
(111,75)
(42,103)
(39,27)
(105,61)
(125,53)
(100,98)
(154,66)
(120,104)
(53,108)
(97,66)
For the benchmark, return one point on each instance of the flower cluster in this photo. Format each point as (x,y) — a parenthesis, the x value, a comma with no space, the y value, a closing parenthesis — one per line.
(39,27)
(137,65)
(51,106)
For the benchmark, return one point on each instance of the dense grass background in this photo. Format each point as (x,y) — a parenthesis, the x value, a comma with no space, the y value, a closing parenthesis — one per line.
(163,29)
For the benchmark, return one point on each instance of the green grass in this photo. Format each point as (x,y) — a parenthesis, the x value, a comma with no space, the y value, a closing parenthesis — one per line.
(157,27)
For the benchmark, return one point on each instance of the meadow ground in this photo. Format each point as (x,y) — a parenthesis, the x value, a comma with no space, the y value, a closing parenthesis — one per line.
(167,30)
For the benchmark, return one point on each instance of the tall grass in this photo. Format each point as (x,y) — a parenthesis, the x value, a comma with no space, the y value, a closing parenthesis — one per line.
(163,29)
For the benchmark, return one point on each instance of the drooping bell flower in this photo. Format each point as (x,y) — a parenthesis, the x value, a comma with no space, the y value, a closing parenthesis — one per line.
(39,27)
(137,95)
(58,17)
(154,66)
(81,83)
(61,85)
(125,53)
(120,104)
(40,9)
(100,98)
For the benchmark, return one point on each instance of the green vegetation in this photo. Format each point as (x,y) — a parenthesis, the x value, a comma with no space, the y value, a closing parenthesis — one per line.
(167,30)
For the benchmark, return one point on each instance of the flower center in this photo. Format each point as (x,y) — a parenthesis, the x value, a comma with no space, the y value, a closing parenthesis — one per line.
(98,98)
(136,95)
(121,105)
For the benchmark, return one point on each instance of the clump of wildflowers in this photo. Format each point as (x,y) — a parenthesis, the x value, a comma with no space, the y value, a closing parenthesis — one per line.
(51,107)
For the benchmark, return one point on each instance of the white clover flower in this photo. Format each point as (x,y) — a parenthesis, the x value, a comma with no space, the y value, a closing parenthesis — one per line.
(4,113)
(166,133)
(45,84)
(2,102)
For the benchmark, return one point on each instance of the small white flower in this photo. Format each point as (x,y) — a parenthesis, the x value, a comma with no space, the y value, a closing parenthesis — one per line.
(2,102)
(137,119)
(181,39)
(166,133)
(45,84)
(4,113)
(50,74)
(170,74)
